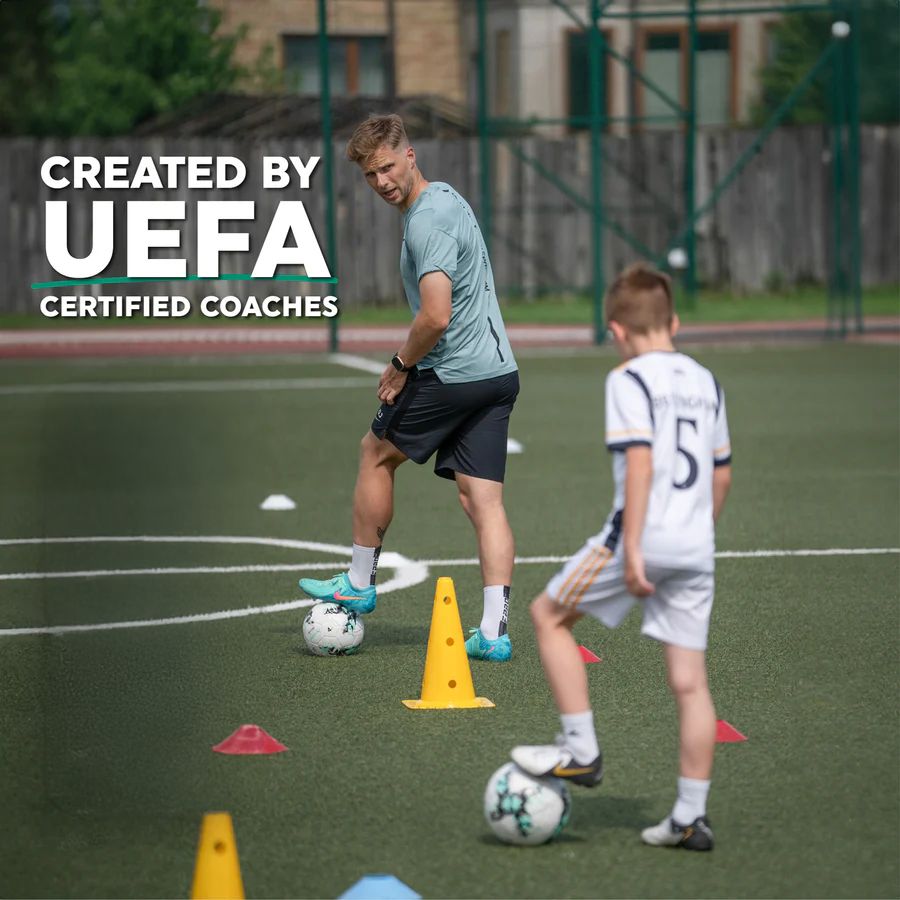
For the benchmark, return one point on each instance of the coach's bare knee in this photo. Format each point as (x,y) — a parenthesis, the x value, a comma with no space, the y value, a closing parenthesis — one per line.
(375,451)
(480,503)
(479,498)
(368,446)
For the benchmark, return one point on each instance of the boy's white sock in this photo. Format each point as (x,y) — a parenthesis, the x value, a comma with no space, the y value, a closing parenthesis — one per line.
(691,802)
(363,566)
(496,611)
(580,737)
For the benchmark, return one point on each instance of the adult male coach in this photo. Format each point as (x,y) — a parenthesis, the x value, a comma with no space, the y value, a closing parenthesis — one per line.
(449,390)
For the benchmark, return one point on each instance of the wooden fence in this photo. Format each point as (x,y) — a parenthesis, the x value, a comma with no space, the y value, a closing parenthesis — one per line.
(772,228)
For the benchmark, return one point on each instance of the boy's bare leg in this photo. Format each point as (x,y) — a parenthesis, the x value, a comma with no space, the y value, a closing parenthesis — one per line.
(577,757)
(687,825)
(696,714)
(560,658)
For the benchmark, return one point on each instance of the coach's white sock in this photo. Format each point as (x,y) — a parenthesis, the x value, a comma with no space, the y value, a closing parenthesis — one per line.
(363,566)
(496,611)
(580,736)
(691,802)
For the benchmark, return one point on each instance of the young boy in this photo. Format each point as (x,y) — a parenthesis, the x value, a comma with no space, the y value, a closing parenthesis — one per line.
(668,434)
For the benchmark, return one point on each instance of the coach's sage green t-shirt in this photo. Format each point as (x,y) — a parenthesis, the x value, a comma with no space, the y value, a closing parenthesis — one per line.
(441,234)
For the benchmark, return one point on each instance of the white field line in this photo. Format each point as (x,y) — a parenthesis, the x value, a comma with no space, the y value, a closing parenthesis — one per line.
(191,570)
(184,387)
(212,360)
(171,620)
(338,564)
(288,543)
(357,362)
(213,386)
(835,551)
(171,335)
(723,554)
(407,574)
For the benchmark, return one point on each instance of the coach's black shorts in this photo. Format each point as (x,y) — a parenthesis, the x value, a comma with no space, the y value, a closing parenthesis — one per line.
(465,423)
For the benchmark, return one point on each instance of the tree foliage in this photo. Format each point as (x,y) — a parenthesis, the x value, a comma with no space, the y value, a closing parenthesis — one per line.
(99,67)
(24,37)
(799,39)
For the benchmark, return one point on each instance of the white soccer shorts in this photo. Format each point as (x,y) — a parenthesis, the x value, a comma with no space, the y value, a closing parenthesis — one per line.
(678,612)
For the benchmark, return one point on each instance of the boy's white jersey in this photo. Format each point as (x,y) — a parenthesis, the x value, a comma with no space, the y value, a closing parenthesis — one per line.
(669,402)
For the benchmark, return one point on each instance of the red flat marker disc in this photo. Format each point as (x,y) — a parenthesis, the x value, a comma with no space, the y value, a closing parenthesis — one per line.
(249,739)
(728,734)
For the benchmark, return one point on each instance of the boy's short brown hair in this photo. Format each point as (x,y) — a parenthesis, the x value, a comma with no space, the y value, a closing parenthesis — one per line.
(640,299)
(375,132)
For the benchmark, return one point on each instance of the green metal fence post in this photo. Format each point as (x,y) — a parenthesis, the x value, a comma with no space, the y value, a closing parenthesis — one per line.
(690,152)
(838,95)
(327,158)
(484,146)
(595,68)
(852,82)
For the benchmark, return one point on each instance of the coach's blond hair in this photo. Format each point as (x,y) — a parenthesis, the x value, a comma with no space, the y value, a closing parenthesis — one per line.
(375,132)
(640,299)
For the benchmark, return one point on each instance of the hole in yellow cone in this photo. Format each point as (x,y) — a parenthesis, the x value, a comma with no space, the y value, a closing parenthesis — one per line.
(219,846)
(451,683)
(446,599)
(449,642)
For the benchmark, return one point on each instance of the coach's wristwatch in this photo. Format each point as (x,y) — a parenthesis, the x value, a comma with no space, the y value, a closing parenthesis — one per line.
(397,363)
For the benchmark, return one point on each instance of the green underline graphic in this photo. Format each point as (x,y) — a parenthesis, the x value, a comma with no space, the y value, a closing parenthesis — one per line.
(38,285)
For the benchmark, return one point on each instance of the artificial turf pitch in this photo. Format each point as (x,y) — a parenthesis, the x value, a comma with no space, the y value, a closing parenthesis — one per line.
(105,735)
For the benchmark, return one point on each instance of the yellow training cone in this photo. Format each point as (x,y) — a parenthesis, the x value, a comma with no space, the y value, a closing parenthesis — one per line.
(447,683)
(217,874)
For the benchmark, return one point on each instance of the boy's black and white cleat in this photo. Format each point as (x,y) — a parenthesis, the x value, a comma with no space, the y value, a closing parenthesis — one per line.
(554,761)
(696,836)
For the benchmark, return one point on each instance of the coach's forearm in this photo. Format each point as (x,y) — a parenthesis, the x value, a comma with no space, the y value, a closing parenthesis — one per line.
(424,333)
(432,319)
(721,487)
(638,479)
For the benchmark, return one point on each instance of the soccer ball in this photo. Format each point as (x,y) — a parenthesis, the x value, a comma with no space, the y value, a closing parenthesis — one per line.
(522,809)
(331,630)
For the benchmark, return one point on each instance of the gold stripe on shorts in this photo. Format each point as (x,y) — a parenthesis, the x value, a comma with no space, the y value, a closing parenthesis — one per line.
(577,572)
(583,587)
(579,581)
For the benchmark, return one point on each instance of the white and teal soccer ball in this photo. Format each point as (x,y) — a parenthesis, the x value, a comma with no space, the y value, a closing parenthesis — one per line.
(522,809)
(331,630)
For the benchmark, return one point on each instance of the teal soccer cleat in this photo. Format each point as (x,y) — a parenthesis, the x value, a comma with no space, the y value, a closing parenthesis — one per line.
(479,647)
(339,590)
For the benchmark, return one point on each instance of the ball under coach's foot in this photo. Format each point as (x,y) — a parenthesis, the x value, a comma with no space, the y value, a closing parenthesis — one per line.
(479,647)
(339,590)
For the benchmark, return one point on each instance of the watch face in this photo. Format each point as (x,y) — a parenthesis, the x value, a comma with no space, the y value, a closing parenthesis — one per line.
(397,363)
